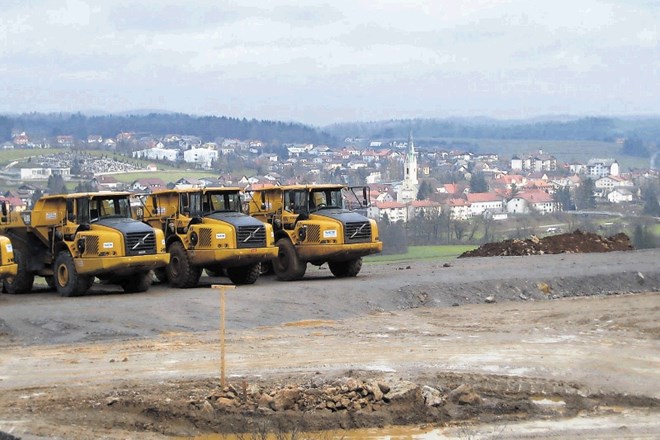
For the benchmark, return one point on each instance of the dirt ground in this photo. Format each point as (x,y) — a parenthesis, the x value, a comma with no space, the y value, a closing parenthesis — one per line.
(543,346)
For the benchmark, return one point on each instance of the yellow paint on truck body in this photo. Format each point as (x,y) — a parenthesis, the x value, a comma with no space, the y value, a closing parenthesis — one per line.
(316,237)
(210,236)
(8,267)
(95,229)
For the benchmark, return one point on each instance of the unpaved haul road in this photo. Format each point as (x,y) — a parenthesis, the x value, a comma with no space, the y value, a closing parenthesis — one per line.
(393,319)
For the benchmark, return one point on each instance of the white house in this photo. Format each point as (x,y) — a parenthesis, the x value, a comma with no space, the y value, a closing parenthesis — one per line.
(516,163)
(602,167)
(482,202)
(394,211)
(427,208)
(44,173)
(620,195)
(577,168)
(374,177)
(531,201)
(157,154)
(202,156)
(459,209)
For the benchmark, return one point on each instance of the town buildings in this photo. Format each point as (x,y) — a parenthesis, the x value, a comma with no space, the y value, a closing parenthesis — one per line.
(396,171)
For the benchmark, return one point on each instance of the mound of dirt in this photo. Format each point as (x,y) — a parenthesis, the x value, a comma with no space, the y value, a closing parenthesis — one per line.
(573,242)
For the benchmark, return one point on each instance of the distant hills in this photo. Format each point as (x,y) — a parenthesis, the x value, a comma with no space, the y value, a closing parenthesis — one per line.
(210,128)
(550,128)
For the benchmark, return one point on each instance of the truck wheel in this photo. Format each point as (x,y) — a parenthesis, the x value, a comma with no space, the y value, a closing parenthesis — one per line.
(345,269)
(24,279)
(161,274)
(138,282)
(266,268)
(244,274)
(67,281)
(287,265)
(180,272)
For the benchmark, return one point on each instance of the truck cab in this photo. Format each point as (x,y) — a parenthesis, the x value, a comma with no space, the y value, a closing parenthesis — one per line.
(313,224)
(72,238)
(205,228)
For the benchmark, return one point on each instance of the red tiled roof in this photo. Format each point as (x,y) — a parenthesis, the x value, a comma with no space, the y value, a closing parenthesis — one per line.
(536,196)
(483,197)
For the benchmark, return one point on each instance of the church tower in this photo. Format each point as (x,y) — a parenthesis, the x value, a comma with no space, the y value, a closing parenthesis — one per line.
(410,184)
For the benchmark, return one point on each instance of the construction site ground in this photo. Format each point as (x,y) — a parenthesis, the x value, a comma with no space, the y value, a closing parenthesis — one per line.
(543,346)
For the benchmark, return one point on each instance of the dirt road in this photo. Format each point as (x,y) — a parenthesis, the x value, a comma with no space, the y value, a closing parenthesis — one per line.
(145,365)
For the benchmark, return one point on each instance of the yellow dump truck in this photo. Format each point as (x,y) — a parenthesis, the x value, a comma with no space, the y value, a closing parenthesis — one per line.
(312,225)
(205,228)
(8,268)
(70,239)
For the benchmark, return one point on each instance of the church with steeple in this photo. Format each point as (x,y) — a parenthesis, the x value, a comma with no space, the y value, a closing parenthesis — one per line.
(408,190)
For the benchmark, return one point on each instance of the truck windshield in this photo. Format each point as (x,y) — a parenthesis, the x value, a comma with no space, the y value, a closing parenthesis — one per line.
(100,208)
(222,202)
(325,198)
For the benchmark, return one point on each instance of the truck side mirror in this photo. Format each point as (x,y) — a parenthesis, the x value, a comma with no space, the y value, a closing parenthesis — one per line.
(5,210)
(263,201)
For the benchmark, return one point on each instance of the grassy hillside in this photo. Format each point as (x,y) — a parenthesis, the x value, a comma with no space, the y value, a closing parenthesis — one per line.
(447,252)
(9,156)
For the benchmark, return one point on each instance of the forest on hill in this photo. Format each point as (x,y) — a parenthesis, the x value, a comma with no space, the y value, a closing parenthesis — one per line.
(208,128)
(588,128)
(644,132)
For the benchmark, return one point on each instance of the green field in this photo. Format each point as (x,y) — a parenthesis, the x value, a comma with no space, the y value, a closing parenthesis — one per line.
(8,156)
(167,176)
(422,253)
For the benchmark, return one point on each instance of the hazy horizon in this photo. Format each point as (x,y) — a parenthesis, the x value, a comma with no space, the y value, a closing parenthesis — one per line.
(337,62)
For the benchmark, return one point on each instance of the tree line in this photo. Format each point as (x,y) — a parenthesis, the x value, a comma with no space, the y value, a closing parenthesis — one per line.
(208,128)
(642,131)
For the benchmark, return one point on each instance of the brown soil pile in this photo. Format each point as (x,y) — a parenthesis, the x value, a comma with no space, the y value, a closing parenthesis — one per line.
(569,243)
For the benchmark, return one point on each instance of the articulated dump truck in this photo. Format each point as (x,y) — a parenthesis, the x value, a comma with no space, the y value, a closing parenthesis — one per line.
(205,228)
(312,225)
(71,239)
(8,267)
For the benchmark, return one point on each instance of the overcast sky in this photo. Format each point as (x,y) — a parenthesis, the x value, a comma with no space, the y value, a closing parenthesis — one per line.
(323,62)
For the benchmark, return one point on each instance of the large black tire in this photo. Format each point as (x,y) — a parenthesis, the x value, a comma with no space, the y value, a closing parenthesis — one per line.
(287,265)
(138,282)
(266,268)
(180,273)
(24,279)
(161,274)
(67,280)
(345,269)
(244,274)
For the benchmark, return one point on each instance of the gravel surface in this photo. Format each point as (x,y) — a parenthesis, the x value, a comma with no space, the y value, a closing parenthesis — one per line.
(507,335)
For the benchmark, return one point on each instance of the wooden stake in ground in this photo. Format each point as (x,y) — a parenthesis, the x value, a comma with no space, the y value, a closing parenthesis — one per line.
(223,289)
